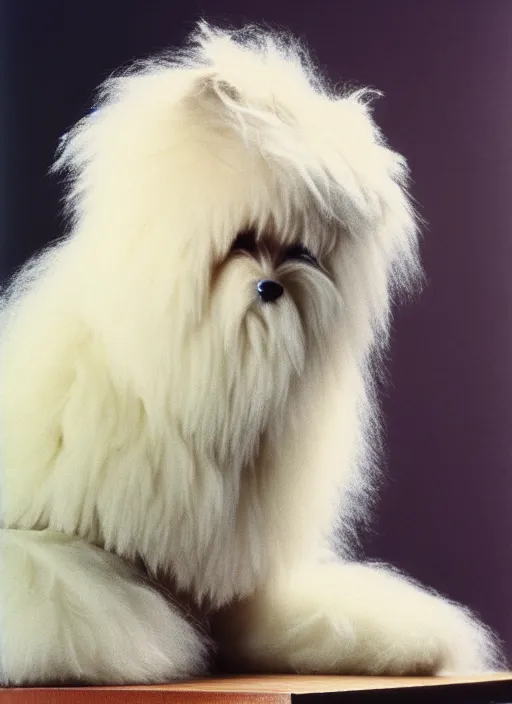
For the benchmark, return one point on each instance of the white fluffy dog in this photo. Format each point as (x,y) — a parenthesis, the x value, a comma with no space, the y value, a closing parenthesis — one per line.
(186,387)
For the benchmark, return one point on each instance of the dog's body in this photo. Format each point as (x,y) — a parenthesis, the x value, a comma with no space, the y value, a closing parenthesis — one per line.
(186,387)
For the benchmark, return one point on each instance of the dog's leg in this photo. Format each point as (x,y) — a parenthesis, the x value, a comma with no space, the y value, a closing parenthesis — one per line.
(71,612)
(351,619)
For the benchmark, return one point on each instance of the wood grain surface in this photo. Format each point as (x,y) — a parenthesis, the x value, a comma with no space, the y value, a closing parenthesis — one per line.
(229,690)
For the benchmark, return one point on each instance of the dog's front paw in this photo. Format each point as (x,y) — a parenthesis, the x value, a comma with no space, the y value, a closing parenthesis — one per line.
(354,619)
(395,627)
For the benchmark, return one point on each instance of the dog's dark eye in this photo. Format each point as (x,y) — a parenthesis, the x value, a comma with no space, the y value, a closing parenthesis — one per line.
(245,242)
(298,251)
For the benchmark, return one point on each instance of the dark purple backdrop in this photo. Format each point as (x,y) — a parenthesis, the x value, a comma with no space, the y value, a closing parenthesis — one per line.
(446,69)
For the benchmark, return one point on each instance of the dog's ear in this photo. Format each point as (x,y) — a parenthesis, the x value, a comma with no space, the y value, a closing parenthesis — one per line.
(224,90)
(211,89)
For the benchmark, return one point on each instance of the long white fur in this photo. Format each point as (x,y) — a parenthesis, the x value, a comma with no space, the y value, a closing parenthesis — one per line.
(150,405)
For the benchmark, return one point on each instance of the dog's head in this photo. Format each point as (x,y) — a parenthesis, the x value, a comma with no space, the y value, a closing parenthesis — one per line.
(237,223)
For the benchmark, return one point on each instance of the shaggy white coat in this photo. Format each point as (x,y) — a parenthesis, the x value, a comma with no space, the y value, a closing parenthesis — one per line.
(162,427)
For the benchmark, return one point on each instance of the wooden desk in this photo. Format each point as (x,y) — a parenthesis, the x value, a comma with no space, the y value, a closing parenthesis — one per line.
(282,690)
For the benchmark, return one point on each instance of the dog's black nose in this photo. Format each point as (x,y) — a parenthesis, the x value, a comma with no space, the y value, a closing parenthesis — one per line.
(269,290)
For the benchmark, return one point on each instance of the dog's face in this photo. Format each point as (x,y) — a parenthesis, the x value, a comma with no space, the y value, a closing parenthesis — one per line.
(243,226)
(272,310)
(287,300)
